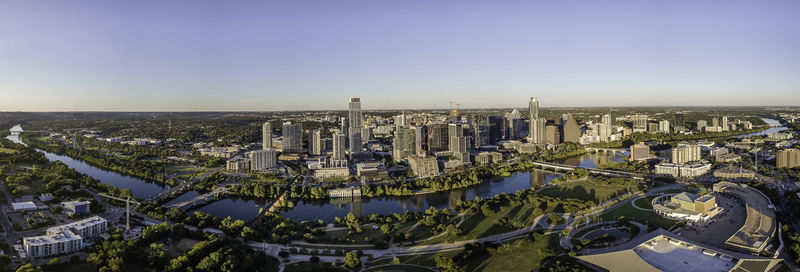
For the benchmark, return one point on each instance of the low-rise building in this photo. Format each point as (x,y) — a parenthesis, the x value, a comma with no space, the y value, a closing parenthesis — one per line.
(686,206)
(488,157)
(424,166)
(76,207)
(734,173)
(371,171)
(345,192)
(332,172)
(24,206)
(65,238)
(237,164)
(688,170)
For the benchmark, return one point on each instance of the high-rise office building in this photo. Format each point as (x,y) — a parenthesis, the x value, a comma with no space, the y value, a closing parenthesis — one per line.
(458,143)
(725,126)
(536,127)
(438,137)
(663,126)
(680,120)
(533,108)
(570,132)
(315,142)
(266,136)
(639,123)
(701,125)
(354,132)
(640,151)
(497,129)
(606,119)
(339,146)
(400,120)
(420,140)
(403,144)
(366,134)
(262,159)
(714,122)
(292,138)
(684,153)
(788,158)
(552,133)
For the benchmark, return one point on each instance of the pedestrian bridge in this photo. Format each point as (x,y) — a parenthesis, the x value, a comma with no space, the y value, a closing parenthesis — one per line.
(603,149)
(605,172)
(204,198)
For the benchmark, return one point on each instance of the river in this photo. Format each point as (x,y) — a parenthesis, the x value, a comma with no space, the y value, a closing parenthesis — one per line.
(326,210)
(771,122)
(139,188)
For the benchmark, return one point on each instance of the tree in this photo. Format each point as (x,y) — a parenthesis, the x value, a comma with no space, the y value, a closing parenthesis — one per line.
(446,264)
(351,260)
(314,259)
(4,260)
(157,255)
(29,268)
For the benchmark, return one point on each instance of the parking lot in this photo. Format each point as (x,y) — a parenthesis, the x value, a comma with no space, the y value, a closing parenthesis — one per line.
(724,224)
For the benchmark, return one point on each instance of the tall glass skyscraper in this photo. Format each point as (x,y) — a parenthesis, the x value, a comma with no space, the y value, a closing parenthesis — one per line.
(354,128)
(266,136)
(536,128)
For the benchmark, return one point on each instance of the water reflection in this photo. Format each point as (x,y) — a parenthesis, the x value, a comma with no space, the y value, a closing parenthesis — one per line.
(139,188)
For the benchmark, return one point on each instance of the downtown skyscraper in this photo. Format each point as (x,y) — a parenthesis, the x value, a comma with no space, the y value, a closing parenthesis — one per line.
(266,136)
(354,126)
(536,128)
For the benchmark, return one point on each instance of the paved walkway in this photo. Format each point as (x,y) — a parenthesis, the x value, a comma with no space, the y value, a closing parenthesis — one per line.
(633,203)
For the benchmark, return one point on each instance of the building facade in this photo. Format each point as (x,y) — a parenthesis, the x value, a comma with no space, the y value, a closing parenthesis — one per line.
(354,128)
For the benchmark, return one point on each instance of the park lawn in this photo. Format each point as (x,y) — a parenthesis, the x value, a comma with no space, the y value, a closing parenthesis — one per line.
(644,202)
(192,175)
(7,150)
(586,190)
(634,214)
(479,225)
(525,258)
(34,187)
(399,267)
(182,168)
(306,266)
(367,237)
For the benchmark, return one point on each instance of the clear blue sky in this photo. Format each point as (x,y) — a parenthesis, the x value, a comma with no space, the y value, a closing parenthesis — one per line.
(297,55)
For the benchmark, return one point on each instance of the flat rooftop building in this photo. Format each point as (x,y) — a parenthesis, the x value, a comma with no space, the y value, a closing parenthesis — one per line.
(759,226)
(65,238)
(661,250)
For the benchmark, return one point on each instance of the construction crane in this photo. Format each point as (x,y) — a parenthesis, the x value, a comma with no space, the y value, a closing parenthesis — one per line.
(128,202)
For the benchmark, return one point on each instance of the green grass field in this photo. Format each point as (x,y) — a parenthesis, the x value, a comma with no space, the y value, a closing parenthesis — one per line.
(478,225)
(525,258)
(305,266)
(34,187)
(645,217)
(587,190)
(7,150)
(399,267)
(644,202)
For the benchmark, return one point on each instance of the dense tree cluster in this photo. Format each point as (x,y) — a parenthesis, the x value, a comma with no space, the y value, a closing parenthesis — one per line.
(143,163)
(211,253)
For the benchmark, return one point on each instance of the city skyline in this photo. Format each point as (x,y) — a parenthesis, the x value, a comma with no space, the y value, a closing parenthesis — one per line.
(308,55)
